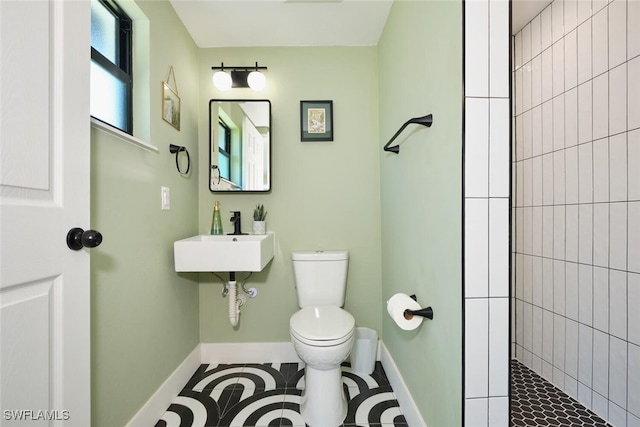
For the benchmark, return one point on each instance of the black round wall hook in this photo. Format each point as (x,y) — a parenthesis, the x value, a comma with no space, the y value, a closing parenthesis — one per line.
(177,149)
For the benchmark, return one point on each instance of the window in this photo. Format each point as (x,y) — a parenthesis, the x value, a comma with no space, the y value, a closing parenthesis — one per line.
(111,65)
(224,150)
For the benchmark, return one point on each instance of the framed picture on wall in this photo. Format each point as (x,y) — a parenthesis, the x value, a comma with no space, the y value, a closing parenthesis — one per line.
(170,106)
(316,120)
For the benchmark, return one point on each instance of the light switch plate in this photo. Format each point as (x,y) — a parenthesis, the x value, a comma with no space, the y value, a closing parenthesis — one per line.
(165,197)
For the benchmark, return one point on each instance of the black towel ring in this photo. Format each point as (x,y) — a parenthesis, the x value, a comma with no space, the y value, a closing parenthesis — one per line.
(215,168)
(176,149)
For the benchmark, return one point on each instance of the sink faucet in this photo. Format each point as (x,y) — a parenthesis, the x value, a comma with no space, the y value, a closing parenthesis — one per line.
(237,226)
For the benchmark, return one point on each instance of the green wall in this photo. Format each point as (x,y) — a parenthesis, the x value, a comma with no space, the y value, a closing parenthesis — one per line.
(325,194)
(398,215)
(420,67)
(144,317)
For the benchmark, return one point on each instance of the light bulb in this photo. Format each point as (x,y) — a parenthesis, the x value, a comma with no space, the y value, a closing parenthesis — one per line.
(256,80)
(222,80)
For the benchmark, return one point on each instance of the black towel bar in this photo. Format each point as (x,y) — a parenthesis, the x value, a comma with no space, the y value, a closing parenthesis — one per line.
(424,121)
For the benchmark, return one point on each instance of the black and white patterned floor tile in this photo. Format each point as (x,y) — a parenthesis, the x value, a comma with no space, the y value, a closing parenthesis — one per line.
(535,402)
(268,395)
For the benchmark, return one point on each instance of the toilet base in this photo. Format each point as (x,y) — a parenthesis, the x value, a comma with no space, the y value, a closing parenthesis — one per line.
(323,401)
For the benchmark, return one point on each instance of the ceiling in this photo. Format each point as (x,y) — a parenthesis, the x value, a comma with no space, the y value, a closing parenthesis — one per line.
(523,11)
(245,23)
(260,23)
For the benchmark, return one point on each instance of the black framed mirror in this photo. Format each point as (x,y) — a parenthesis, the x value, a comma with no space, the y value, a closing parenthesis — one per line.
(240,145)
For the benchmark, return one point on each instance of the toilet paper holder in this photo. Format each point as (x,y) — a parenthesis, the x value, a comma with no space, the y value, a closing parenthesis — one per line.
(423,312)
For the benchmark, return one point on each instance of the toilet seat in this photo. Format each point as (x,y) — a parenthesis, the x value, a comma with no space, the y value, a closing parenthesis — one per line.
(322,326)
(321,343)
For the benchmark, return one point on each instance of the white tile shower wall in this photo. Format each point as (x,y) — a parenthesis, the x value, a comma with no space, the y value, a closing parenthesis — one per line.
(576,205)
(486,204)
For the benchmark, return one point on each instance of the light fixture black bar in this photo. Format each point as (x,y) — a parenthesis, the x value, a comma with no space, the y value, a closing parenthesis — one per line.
(424,121)
(249,68)
(239,68)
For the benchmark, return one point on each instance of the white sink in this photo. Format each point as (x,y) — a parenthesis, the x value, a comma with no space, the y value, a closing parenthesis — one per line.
(223,253)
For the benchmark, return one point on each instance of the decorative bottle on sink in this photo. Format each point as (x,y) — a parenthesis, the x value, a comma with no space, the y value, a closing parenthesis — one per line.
(216,221)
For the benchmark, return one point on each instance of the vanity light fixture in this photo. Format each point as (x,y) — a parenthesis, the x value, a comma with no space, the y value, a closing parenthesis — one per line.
(227,77)
(222,80)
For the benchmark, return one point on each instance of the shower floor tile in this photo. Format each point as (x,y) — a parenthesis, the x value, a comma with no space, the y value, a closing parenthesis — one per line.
(537,402)
(269,395)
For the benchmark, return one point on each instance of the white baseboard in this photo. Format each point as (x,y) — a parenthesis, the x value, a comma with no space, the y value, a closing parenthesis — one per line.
(266,352)
(158,403)
(250,352)
(407,405)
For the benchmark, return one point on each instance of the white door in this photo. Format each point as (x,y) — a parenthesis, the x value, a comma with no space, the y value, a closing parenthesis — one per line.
(44,192)
(252,157)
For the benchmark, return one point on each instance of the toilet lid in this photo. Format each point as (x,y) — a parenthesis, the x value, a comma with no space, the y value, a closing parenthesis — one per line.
(322,323)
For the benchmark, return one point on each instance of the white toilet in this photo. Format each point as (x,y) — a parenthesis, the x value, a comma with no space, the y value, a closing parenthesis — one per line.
(322,333)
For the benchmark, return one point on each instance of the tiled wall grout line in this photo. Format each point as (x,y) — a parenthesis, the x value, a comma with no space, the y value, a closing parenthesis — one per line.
(605,214)
(480,398)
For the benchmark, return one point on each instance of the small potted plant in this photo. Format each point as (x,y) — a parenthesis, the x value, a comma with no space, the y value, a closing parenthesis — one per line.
(259,223)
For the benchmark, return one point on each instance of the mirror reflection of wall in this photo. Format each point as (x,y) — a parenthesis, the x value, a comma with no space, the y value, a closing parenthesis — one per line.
(240,145)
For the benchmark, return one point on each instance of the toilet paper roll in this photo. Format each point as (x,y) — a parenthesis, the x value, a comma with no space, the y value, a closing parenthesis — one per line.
(396,306)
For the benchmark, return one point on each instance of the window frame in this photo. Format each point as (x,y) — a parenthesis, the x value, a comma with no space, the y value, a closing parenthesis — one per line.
(226,150)
(123,69)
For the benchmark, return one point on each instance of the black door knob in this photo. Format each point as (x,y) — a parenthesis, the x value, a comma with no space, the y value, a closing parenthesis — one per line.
(77,239)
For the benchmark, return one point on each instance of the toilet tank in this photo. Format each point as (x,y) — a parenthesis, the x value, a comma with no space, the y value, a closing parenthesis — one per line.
(320,277)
